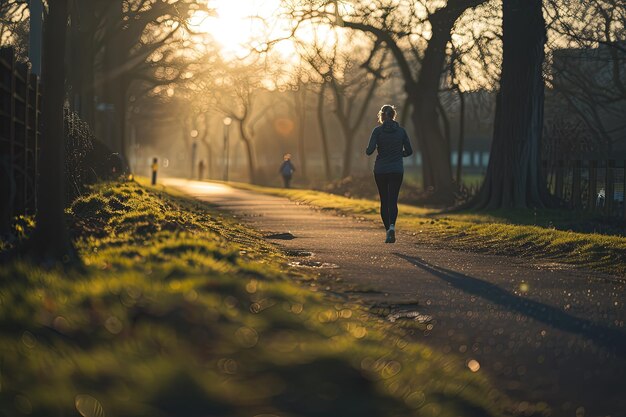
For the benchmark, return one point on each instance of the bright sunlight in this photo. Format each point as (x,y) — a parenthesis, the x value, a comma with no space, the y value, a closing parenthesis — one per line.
(238,25)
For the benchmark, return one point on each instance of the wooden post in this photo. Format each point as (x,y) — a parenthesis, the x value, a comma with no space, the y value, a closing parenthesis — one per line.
(609,187)
(593,184)
(19,134)
(6,139)
(37,137)
(31,143)
(24,72)
(576,186)
(11,165)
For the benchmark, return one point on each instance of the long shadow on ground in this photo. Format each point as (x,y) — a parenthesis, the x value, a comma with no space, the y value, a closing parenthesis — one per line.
(607,337)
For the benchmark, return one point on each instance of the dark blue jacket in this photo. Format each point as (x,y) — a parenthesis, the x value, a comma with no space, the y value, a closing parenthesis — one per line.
(393,144)
(286,169)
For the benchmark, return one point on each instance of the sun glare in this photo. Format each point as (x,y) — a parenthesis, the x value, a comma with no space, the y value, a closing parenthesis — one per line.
(238,24)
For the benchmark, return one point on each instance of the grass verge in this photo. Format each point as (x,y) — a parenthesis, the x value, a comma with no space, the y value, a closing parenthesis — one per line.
(538,235)
(180,311)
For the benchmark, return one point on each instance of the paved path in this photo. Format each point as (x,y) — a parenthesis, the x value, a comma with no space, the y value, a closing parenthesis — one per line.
(544,332)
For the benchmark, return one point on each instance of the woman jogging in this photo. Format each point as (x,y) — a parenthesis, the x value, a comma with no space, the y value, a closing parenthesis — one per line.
(393,144)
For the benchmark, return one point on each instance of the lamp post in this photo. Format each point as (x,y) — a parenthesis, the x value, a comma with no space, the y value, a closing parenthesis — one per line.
(227,122)
(194,149)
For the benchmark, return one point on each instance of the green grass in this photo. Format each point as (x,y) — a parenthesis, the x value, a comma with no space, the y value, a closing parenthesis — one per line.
(536,235)
(413,177)
(182,312)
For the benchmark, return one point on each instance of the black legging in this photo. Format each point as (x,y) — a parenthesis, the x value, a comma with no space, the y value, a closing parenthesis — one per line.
(388,189)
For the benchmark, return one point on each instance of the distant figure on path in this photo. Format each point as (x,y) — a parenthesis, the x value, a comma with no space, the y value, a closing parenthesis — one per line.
(201,169)
(287,169)
(155,168)
(393,144)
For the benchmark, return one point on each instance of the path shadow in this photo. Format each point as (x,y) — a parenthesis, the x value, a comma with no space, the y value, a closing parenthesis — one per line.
(611,338)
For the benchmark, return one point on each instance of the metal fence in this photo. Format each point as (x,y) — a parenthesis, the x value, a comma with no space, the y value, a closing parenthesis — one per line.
(592,185)
(20,112)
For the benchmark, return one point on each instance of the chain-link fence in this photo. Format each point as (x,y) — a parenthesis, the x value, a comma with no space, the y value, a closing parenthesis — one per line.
(79,142)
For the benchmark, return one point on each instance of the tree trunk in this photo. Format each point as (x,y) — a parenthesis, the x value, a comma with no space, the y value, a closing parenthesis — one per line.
(436,166)
(301,110)
(461,144)
(249,153)
(86,88)
(445,122)
(187,140)
(81,75)
(51,240)
(323,133)
(513,176)
(113,83)
(121,107)
(204,138)
(348,135)
(209,155)
(344,108)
